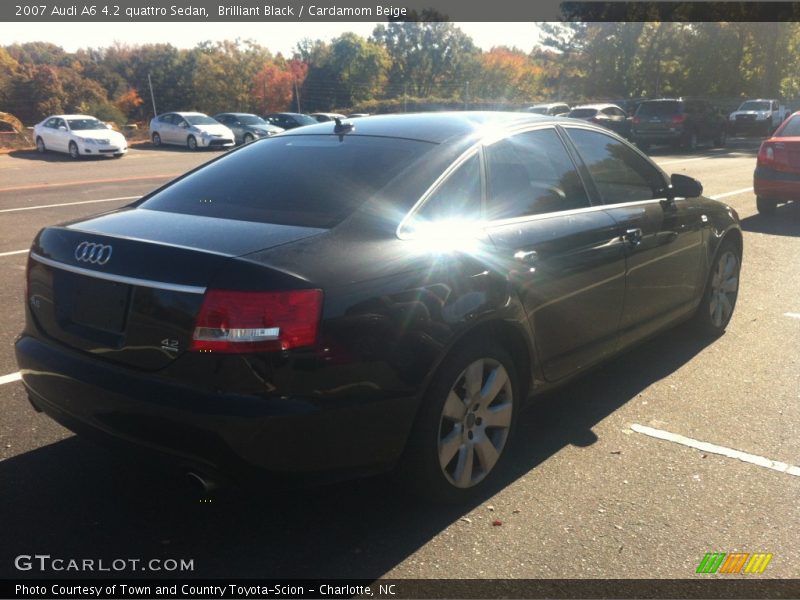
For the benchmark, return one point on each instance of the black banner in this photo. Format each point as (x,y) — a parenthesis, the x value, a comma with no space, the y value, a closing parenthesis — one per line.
(711,587)
(132,11)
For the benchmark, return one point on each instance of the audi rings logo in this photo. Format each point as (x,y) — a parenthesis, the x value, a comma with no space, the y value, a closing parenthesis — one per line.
(96,254)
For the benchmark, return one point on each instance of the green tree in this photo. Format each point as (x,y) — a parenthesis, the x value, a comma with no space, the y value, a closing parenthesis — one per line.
(428,56)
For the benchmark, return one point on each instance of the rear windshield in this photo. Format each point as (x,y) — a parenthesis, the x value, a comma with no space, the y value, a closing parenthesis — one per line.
(303,180)
(754,105)
(792,128)
(582,113)
(305,119)
(658,109)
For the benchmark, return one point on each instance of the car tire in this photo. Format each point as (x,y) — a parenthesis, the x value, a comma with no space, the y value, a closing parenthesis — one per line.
(156,139)
(248,137)
(642,145)
(454,452)
(191,143)
(721,139)
(74,153)
(40,147)
(766,206)
(722,289)
(118,155)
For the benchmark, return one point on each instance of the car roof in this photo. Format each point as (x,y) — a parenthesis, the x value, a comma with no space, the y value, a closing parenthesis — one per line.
(237,114)
(435,127)
(596,106)
(71,117)
(548,104)
(288,114)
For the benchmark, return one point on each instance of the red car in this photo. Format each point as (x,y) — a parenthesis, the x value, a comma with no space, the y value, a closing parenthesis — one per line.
(777,175)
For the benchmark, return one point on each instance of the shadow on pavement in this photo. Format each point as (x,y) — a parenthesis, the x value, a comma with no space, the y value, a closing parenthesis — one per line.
(785,221)
(74,500)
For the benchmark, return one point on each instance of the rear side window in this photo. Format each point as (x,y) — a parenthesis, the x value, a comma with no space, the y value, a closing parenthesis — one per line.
(658,109)
(792,128)
(308,180)
(529,174)
(582,113)
(620,173)
(458,198)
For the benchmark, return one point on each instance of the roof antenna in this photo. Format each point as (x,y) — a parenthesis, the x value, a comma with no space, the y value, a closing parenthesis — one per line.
(342,128)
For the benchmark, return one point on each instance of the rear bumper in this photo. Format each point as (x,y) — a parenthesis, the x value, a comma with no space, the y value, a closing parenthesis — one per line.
(655,137)
(227,435)
(776,185)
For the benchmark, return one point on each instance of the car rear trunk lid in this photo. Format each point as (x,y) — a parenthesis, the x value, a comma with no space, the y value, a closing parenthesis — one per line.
(129,290)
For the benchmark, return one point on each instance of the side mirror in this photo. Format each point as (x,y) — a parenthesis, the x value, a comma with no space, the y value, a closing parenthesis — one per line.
(684,186)
(62,127)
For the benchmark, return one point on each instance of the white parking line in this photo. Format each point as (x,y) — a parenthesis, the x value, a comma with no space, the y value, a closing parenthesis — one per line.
(7,210)
(13,253)
(792,315)
(754,459)
(9,378)
(733,193)
(682,160)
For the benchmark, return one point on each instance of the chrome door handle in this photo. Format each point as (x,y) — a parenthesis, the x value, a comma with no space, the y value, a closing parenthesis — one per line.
(633,236)
(526,256)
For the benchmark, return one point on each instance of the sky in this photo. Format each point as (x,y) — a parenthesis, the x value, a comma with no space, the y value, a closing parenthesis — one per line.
(278,37)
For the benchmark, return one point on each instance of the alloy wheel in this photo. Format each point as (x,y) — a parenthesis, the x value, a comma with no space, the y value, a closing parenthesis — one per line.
(475,422)
(724,287)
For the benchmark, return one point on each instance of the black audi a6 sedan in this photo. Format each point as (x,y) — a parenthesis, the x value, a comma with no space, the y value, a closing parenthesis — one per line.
(350,297)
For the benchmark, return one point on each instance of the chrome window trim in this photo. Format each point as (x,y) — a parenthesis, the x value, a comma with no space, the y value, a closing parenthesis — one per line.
(159,285)
(476,148)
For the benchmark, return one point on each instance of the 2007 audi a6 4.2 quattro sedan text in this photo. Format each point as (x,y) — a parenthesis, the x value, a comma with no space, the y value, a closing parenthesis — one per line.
(353,297)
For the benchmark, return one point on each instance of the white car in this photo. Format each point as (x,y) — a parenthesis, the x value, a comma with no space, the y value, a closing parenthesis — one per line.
(191,129)
(79,135)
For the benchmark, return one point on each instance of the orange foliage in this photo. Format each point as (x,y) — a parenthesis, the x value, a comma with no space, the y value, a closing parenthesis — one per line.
(274,85)
(128,101)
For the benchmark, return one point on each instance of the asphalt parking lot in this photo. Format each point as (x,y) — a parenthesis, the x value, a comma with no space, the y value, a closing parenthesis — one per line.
(589,493)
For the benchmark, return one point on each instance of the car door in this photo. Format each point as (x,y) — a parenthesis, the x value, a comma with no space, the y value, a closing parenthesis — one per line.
(48,133)
(562,256)
(61,136)
(663,238)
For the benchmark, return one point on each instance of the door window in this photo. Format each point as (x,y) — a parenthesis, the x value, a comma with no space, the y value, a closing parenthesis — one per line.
(619,173)
(531,173)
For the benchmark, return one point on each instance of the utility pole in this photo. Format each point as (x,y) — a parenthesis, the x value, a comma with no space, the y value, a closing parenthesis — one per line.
(405,97)
(466,94)
(152,97)
(297,95)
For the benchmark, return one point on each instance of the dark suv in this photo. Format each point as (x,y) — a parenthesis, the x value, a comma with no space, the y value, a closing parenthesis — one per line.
(685,123)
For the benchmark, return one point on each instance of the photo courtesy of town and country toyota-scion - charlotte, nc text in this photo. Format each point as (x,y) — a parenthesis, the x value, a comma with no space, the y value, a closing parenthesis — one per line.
(195,12)
(186,590)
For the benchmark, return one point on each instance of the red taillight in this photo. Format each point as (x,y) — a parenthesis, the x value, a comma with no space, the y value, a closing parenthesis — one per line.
(766,154)
(236,322)
(677,119)
(636,120)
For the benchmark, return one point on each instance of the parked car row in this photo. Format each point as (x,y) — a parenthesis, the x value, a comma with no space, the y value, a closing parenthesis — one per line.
(224,130)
